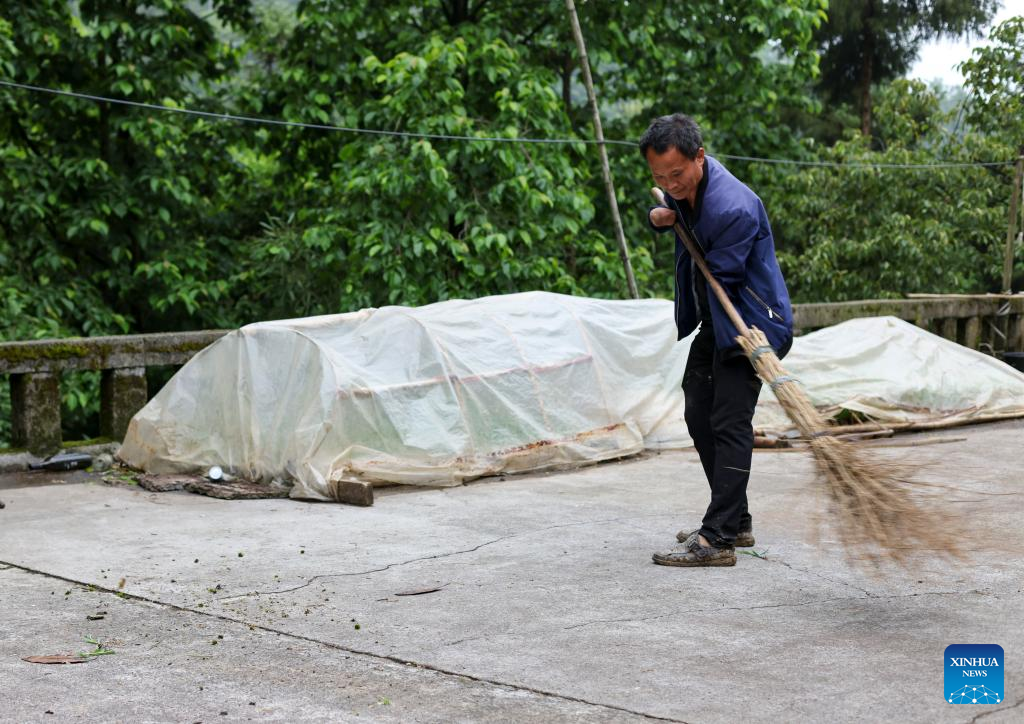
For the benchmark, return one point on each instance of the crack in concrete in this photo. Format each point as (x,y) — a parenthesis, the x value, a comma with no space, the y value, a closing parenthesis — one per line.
(484,636)
(437,556)
(995,711)
(322,576)
(819,575)
(769,605)
(339,647)
(682,612)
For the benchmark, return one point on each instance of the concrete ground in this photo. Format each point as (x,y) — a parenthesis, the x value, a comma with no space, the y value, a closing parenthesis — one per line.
(548,607)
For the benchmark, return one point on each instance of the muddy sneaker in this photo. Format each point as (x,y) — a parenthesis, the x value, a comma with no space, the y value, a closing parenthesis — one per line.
(695,554)
(744,539)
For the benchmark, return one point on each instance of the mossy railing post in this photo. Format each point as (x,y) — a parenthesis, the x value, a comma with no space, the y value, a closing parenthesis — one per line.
(972,332)
(948,329)
(122,394)
(35,412)
(1015,338)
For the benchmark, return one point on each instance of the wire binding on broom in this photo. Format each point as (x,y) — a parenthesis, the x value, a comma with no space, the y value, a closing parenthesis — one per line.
(756,353)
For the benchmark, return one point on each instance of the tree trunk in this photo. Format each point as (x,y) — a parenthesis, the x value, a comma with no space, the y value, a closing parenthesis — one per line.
(1011,232)
(867,68)
(606,172)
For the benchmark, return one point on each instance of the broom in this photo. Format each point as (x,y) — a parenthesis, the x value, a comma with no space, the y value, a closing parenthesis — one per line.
(878,510)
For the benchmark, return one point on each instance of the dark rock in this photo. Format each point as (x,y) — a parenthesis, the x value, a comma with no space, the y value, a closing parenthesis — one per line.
(235,489)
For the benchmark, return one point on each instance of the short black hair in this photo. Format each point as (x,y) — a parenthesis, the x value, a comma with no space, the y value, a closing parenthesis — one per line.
(678,131)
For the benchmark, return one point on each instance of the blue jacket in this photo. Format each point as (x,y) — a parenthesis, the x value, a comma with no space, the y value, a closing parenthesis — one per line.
(732,228)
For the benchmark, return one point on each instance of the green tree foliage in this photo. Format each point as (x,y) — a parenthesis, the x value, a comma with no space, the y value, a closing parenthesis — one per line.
(376,219)
(385,220)
(859,232)
(107,213)
(995,77)
(732,65)
(868,42)
(282,221)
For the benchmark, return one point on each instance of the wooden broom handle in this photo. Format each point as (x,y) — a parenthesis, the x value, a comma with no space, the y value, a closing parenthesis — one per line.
(691,246)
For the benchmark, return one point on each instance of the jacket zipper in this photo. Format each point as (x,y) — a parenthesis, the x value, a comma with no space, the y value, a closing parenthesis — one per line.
(693,281)
(694,272)
(693,288)
(675,279)
(771,312)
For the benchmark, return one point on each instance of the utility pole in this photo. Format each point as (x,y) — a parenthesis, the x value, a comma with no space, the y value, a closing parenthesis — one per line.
(1011,231)
(606,171)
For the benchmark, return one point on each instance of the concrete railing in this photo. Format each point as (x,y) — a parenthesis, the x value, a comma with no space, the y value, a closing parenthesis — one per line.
(34,370)
(990,323)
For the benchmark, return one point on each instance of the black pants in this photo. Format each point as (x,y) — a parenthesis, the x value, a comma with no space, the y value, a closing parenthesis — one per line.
(720,398)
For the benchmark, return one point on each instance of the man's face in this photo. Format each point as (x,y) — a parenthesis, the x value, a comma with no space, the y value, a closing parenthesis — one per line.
(676,173)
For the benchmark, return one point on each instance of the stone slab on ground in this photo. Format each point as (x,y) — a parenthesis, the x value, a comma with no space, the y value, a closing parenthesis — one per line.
(235,489)
(548,610)
(165,483)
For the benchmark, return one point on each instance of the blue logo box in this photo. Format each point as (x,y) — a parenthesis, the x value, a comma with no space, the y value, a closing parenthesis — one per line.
(974,674)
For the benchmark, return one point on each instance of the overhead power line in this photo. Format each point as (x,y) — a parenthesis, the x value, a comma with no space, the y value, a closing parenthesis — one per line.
(492,139)
(300,124)
(864,164)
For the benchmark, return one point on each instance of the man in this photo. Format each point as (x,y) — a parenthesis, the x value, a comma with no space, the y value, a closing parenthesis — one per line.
(720,386)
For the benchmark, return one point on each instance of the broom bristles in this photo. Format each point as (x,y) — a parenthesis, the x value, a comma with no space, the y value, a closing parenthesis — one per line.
(881,514)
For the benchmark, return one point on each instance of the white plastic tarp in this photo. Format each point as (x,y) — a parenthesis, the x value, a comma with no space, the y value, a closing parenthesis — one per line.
(895,372)
(459,389)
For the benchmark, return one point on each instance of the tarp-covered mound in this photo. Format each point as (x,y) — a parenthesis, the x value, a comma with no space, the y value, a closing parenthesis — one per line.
(435,394)
(459,389)
(894,372)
